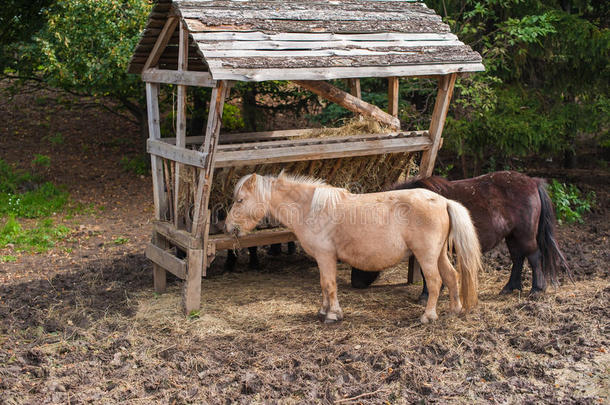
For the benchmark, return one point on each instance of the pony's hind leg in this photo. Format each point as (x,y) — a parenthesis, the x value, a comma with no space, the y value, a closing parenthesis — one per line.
(330,310)
(450,278)
(538,279)
(433,280)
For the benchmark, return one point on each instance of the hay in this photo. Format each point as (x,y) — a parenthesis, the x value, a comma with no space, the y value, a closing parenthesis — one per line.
(364,174)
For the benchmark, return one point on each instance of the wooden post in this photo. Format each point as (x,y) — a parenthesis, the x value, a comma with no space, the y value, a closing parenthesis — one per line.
(180,117)
(441,107)
(159,195)
(414,274)
(348,101)
(159,273)
(393,96)
(354,87)
(197,257)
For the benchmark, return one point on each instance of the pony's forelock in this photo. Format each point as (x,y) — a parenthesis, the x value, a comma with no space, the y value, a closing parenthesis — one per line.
(262,186)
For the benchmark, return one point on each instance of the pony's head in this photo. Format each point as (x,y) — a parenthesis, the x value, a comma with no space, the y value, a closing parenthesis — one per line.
(250,204)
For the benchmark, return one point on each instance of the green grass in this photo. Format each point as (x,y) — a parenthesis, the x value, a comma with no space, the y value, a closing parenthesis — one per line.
(39,238)
(24,195)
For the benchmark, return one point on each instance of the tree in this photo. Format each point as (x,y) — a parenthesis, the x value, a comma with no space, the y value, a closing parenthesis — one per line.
(84,48)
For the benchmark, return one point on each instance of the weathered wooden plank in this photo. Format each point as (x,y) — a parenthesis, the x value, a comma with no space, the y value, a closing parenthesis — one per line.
(393,96)
(414,50)
(166,260)
(349,58)
(187,78)
(258,238)
(437,122)
(191,295)
(331,13)
(314,36)
(219,93)
(181,238)
(217,49)
(256,75)
(154,131)
(159,273)
(180,117)
(321,151)
(176,154)
(244,137)
(412,25)
(164,37)
(318,141)
(348,101)
(314,6)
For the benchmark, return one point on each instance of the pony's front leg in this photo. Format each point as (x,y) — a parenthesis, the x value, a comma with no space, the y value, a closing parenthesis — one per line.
(331,311)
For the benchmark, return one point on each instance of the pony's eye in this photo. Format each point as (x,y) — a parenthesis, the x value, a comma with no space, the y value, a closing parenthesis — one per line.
(241,200)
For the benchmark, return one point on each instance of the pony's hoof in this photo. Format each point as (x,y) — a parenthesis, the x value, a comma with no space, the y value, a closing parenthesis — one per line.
(535,293)
(425,318)
(509,290)
(333,317)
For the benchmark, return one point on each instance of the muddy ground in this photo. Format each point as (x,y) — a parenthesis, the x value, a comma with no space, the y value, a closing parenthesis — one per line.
(81,324)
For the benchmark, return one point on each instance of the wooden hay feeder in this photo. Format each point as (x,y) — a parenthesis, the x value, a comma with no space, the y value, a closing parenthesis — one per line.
(214,43)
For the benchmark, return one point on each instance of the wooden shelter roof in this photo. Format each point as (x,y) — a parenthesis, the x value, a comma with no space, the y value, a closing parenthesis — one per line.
(256,40)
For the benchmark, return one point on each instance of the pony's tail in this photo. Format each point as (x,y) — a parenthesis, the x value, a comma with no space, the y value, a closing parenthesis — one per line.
(463,237)
(552,258)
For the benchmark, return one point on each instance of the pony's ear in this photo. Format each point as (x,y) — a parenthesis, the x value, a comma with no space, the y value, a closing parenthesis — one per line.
(250,183)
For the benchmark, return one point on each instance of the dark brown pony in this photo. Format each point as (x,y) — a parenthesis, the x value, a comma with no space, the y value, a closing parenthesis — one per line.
(503,205)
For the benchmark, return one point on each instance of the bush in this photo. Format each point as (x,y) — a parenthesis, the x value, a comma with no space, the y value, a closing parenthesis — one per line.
(570,204)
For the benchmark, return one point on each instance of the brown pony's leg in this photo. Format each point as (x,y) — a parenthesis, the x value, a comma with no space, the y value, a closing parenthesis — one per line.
(433,279)
(330,309)
(450,278)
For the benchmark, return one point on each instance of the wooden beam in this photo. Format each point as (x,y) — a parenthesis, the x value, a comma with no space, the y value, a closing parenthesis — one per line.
(159,273)
(161,43)
(209,147)
(176,154)
(348,101)
(248,157)
(393,96)
(259,238)
(244,137)
(414,274)
(354,87)
(441,107)
(166,260)
(187,78)
(181,238)
(222,72)
(180,117)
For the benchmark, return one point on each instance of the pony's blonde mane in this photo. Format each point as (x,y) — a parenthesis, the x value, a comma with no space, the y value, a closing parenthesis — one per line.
(324,194)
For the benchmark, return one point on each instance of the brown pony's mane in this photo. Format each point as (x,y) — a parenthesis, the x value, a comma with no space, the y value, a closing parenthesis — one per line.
(436,184)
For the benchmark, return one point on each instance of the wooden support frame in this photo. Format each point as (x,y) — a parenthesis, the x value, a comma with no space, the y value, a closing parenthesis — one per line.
(441,107)
(186,78)
(393,96)
(161,43)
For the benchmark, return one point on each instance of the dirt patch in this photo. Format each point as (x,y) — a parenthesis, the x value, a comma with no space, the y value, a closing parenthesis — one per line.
(83,325)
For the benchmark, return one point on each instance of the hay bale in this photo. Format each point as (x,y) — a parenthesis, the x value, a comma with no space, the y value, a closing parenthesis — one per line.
(363,174)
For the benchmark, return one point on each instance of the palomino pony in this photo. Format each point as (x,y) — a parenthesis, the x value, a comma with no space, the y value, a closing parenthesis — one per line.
(504,205)
(368,231)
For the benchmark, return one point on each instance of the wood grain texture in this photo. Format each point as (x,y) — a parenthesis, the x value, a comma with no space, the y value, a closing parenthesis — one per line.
(348,101)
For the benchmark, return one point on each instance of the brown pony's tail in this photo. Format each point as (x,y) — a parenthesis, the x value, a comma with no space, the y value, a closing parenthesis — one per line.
(552,258)
(463,237)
